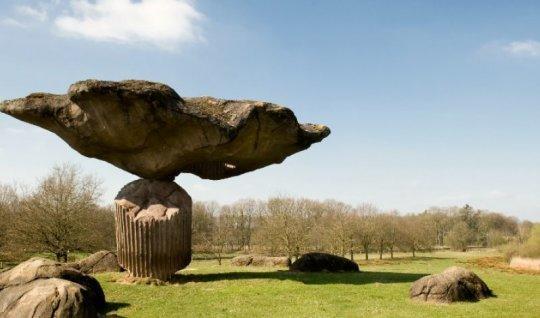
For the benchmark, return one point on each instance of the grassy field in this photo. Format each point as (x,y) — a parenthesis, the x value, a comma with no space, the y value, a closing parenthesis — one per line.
(205,289)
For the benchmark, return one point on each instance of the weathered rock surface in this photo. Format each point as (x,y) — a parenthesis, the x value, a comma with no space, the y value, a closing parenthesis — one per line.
(149,130)
(153,228)
(453,284)
(242,260)
(44,288)
(270,261)
(99,262)
(319,262)
(259,260)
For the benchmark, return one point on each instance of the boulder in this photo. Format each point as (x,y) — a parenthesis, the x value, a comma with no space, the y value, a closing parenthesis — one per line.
(99,262)
(149,130)
(259,260)
(453,284)
(44,288)
(277,261)
(242,260)
(319,262)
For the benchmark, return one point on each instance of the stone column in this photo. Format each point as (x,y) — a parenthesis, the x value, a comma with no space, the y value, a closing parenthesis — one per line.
(153,228)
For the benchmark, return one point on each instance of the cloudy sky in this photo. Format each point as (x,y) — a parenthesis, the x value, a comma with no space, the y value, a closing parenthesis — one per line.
(429,103)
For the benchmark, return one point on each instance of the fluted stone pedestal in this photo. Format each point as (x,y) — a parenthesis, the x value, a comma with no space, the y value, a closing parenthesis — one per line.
(153,228)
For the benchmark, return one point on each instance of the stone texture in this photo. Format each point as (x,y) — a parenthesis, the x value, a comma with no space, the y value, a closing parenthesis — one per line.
(323,262)
(453,284)
(242,260)
(149,130)
(277,261)
(99,262)
(153,228)
(259,260)
(44,288)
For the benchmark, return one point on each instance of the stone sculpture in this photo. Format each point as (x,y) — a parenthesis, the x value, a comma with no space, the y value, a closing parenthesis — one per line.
(149,130)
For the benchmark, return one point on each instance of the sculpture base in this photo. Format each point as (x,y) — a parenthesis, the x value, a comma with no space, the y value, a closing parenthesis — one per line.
(153,228)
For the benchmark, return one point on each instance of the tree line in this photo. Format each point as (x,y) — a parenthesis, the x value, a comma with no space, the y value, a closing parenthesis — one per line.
(62,215)
(293,226)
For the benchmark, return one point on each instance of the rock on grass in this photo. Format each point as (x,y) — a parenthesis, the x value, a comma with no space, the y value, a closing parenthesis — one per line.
(258,260)
(323,262)
(44,288)
(99,262)
(453,284)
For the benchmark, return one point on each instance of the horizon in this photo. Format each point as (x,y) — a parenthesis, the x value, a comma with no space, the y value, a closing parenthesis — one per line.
(429,104)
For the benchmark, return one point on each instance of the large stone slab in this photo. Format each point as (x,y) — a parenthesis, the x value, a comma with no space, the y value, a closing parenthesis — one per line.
(147,129)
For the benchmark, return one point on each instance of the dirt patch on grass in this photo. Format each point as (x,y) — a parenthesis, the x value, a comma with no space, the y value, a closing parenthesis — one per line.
(499,263)
(526,263)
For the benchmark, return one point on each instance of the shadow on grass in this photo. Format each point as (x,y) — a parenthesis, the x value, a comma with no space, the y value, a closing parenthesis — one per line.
(306,278)
(113,306)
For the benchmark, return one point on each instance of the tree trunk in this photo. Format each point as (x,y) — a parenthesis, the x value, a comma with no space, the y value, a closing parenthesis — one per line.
(392,252)
(366,251)
(61,256)
(380,249)
(413,252)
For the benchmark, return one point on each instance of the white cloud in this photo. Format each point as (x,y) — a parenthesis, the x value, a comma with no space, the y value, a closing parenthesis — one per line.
(33,13)
(13,23)
(162,23)
(26,16)
(529,48)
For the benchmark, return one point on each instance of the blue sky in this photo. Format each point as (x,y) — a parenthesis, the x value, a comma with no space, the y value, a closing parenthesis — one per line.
(429,103)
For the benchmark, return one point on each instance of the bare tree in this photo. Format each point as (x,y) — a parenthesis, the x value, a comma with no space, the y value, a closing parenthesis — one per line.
(393,220)
(203,224)
(288,222)
(8,205)
(212,229)
(442,221)
(221,235)
(365,226)
(385,232)
(461,236)
(339,231)
(242,221)
(57,216)
(416,233)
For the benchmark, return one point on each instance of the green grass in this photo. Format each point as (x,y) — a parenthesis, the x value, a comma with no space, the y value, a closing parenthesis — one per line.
(206,289)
